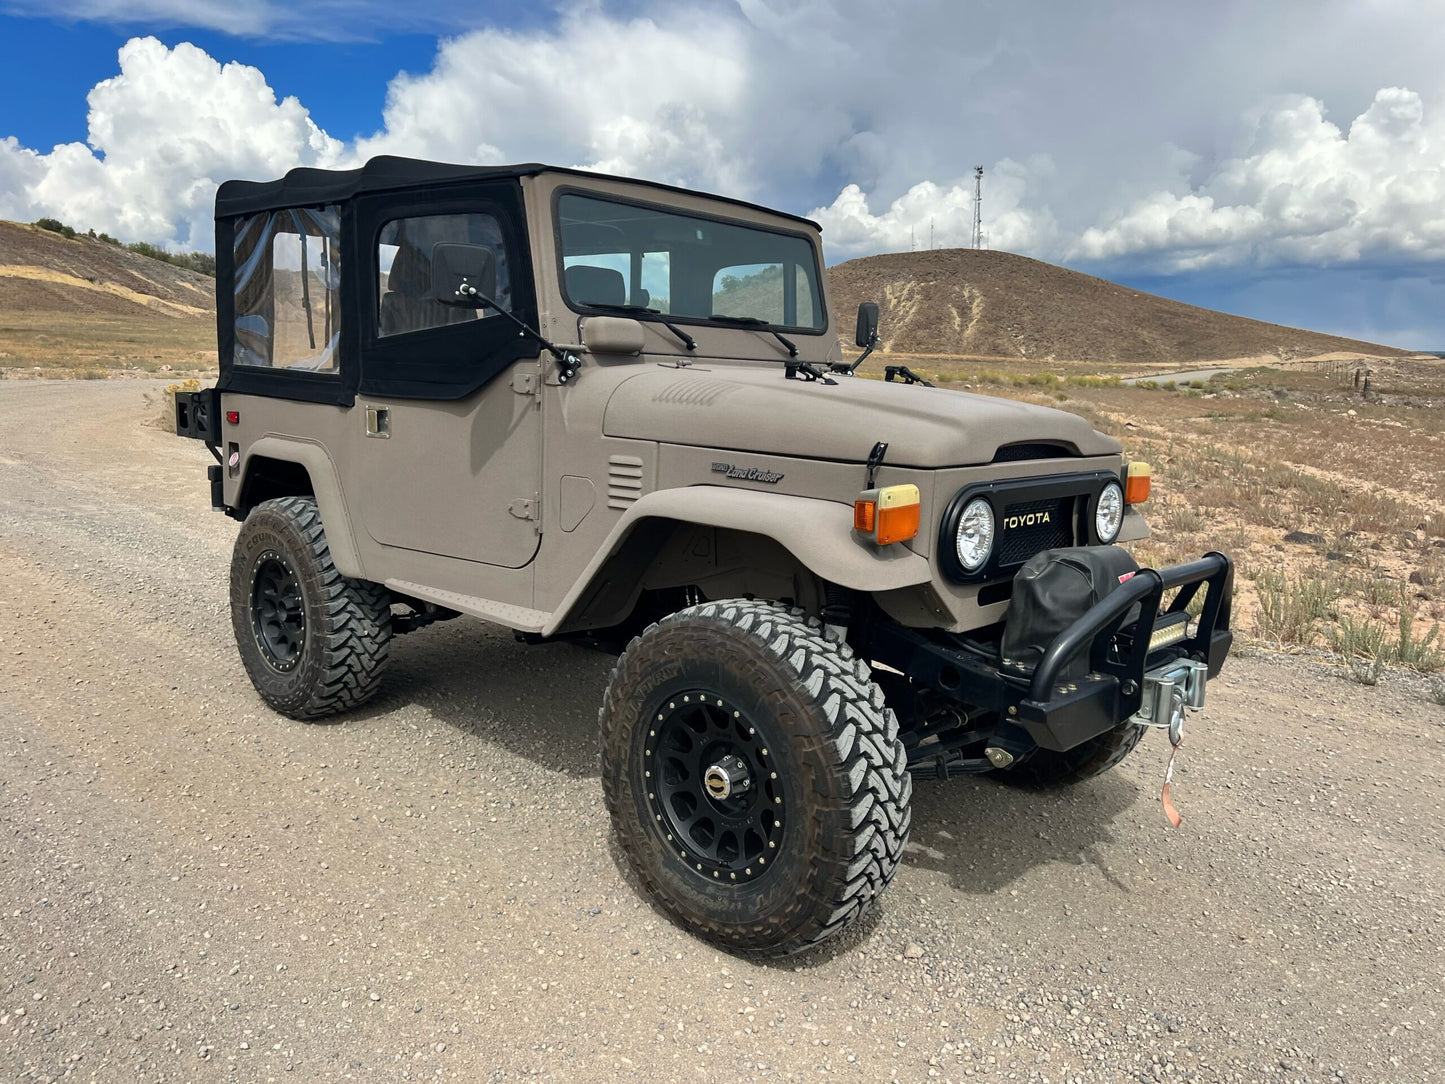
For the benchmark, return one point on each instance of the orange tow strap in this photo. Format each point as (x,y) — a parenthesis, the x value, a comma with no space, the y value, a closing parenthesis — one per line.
(1169,811)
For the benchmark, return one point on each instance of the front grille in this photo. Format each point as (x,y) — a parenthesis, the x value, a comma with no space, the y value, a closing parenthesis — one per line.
(1030,515)
(1018,541)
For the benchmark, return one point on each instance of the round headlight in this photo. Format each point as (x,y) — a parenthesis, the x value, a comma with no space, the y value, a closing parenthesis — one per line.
(1109,512)
(975,534)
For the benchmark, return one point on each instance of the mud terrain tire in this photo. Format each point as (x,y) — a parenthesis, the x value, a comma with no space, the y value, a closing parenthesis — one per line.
(313,642)
(820,816)
(1047,769)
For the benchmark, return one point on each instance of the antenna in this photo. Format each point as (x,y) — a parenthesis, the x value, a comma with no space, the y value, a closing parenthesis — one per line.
(930,235)
(911,245)
(978,206)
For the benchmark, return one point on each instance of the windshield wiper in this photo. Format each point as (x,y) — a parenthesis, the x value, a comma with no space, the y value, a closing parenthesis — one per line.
(654,314)
(761,325)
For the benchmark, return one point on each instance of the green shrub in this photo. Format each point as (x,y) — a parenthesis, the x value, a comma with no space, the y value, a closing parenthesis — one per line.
(1361,645)
(1422,654)
(54,225)
(201,262)
(1291,608)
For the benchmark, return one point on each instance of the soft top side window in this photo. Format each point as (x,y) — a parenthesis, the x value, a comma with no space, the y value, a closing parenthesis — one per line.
(405,301)
(287,290)
(413,250)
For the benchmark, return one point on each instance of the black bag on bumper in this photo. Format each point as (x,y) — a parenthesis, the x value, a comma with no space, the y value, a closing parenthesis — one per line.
(1051,592)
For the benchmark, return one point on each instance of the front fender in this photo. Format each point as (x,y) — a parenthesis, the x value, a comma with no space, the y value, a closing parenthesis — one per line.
(818,533)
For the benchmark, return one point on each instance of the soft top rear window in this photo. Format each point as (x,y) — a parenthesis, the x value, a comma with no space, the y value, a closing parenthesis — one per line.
(287,290)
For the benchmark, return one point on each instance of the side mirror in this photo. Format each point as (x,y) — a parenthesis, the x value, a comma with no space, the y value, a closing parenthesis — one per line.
(867,334)
(453,263)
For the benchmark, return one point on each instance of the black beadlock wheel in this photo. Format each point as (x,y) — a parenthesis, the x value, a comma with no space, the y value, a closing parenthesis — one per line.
(313,642)
(714,786)
(1046,769)
(754,776)
(278,619)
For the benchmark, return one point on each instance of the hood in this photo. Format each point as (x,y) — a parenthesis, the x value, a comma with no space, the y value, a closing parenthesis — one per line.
(755,409)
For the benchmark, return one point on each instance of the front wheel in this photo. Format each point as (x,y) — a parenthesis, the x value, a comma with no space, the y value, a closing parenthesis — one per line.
(754,776)
(313,642)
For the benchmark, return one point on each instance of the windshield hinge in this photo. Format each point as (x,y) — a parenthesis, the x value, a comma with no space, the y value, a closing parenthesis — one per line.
(904,373)
(806,370)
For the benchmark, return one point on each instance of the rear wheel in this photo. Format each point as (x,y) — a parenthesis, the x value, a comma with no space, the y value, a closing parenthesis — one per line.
(1046,769)
(754,776)
(313,642)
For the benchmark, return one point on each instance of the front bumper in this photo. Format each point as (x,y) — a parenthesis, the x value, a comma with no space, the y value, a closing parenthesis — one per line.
(1059,714)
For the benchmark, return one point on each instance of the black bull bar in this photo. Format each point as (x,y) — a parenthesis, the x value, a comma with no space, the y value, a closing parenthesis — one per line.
(1060,712)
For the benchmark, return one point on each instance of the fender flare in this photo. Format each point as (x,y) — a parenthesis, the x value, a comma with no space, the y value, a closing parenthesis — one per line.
(818,533)
(325,485)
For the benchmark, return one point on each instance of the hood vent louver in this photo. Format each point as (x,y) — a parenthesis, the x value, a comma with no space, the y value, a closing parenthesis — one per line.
(1015,453)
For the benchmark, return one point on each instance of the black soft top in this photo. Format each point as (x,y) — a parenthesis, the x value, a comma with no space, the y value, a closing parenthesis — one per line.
(305,187)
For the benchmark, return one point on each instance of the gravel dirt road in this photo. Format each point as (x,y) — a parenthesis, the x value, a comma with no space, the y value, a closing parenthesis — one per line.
(196,889)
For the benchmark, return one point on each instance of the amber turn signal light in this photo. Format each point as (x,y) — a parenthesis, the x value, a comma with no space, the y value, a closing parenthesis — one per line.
(865,513)
(1136,483)
(889,514)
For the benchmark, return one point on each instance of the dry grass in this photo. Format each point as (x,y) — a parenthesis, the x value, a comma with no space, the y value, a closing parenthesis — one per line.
(1292,608)
(161,405)
(96,345)
(1292,451)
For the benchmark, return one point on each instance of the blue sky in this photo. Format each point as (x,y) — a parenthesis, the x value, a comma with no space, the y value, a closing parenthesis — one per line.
(1283,159)
(345,105)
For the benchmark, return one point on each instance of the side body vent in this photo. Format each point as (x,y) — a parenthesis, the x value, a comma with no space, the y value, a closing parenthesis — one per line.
(624,480)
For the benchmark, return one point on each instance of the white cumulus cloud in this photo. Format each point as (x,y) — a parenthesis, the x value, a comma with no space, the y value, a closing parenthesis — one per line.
(638,96)
(162,134)
(1110,144)
(941,215)
(1307,192)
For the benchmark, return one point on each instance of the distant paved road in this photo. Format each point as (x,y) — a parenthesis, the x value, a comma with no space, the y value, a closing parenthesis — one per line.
(195,889)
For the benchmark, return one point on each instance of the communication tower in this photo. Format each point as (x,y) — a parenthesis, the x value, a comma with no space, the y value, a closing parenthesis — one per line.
(978,206)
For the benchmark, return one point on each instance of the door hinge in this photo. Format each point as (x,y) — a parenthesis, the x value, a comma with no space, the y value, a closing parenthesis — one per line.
(524,508)
(524,383)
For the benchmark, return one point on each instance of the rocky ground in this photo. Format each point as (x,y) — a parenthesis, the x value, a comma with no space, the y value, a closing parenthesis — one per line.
(194,889)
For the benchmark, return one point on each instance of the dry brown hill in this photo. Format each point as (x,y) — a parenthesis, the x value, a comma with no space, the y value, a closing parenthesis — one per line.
(76,306)
(41,271)
(982,303)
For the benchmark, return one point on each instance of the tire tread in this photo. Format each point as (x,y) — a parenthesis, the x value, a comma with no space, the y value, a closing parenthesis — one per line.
(357,629)
(870,769)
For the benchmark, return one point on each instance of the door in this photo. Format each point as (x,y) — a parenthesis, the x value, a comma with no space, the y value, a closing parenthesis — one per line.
(448,426)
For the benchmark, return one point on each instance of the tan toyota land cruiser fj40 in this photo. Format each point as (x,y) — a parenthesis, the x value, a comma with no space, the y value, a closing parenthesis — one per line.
(594,408)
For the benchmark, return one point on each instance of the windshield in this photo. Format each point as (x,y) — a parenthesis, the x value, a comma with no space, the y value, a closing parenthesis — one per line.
(693,269)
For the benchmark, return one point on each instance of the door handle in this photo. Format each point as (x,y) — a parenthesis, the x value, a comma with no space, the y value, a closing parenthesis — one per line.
(378,422)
